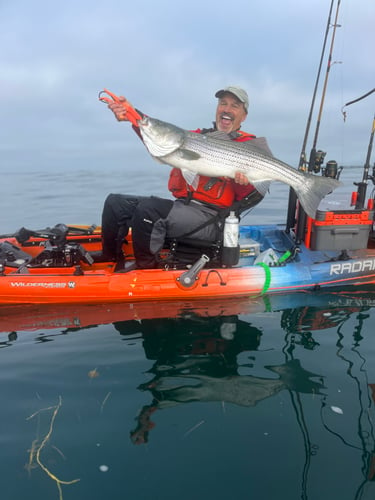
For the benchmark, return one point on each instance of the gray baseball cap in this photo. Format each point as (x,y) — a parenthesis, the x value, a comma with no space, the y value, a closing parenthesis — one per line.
(241,94)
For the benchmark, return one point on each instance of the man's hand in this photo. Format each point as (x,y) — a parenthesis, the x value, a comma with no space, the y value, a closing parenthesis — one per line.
(118,109)
(240,178)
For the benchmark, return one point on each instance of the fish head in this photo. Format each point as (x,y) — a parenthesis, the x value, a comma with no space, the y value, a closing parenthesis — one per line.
(160,138)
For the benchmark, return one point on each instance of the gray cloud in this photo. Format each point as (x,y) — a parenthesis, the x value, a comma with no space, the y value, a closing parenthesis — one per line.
(169,58)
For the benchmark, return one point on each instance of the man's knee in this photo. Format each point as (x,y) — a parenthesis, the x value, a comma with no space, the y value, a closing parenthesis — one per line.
(111,200)
(149,229)
(149,211)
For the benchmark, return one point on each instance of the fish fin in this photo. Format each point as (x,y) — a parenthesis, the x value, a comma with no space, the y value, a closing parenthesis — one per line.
(186,154)
(183,154)
(260,144)
(261,186)
(257,144)
(218,134)
(190,177)
(311,192)
(297,378)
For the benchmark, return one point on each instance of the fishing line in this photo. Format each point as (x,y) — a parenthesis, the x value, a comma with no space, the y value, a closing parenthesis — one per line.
(355,100)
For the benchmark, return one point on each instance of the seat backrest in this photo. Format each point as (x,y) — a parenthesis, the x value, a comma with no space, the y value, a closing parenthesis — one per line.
(248,202)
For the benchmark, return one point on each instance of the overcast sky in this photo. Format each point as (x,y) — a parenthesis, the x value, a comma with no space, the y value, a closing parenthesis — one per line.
(168,58)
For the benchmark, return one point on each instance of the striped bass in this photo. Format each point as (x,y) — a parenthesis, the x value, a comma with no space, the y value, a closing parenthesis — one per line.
(212,156)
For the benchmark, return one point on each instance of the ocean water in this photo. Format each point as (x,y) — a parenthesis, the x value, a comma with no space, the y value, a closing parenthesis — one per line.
(270,398)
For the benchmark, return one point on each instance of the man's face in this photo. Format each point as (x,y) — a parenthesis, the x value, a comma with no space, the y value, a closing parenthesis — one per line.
(230,113)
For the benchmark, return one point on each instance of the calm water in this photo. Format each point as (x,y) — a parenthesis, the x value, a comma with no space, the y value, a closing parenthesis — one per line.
(265,399)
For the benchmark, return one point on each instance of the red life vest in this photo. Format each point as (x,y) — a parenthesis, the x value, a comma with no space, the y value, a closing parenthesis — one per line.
(217,191)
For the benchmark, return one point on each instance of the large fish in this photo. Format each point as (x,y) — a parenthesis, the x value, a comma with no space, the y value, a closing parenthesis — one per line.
(211,155)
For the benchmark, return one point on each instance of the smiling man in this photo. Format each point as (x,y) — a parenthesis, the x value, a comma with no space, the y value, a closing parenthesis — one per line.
(201,203)
(232,108)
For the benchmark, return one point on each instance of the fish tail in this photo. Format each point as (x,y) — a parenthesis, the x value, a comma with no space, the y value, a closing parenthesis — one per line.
(312,190)
(296,378)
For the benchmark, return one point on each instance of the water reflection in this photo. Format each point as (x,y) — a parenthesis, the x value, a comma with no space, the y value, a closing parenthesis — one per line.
(304,321)
(196,359)
(225,353)
(11,337)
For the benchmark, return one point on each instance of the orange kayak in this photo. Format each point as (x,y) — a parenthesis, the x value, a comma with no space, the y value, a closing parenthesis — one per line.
(25,277)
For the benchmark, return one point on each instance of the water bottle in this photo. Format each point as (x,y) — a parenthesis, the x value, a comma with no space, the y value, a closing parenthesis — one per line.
(231,247)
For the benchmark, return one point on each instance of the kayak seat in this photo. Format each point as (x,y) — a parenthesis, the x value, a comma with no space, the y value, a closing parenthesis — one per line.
(186,250)
(182,253)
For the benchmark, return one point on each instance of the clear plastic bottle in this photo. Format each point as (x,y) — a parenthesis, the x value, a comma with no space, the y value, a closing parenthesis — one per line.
(231,248)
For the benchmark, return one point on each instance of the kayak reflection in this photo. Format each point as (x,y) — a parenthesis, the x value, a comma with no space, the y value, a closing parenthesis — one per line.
(316,309)
(196,359)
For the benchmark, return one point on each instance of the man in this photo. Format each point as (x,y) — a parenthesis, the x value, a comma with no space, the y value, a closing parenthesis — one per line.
(199,199)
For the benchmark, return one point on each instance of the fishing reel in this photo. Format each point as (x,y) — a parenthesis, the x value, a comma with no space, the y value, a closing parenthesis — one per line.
(62,255)
(332,170)
(319,159)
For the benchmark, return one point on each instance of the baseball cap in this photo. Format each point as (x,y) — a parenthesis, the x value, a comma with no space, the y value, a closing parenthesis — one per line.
(241,94)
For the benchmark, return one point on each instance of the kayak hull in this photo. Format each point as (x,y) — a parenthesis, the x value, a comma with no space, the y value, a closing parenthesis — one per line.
(98,283)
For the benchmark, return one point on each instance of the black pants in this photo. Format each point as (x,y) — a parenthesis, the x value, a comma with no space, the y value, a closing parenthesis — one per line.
(122,211)
(152,220)
(117,218)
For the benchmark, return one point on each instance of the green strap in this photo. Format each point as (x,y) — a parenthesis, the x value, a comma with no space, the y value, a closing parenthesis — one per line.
(285,256)
(267,281)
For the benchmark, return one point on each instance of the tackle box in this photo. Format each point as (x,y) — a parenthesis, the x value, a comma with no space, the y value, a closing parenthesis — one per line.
(338,226)
(249,247)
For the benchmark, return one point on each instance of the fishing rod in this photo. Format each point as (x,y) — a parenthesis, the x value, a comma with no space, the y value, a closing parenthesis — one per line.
(302,160)
(362,186)
(313,153)
(360,197)
(316,158)
(303,153)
